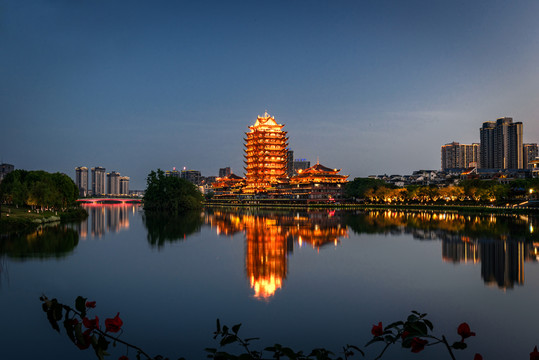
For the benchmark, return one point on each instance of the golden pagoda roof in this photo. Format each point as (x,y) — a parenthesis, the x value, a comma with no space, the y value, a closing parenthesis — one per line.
(266,121)
(318,169)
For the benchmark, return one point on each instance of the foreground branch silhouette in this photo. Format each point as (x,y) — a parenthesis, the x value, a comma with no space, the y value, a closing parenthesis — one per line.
(413,334)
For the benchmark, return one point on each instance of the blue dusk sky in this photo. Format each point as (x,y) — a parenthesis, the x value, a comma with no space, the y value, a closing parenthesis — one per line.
(371,87)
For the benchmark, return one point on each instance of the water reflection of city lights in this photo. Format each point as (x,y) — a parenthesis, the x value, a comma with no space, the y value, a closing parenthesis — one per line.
(269,240)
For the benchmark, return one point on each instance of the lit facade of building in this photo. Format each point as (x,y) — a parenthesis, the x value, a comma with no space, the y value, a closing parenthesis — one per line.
(113,183)
(124,185)
(229,186)
(318,184)
(224,171)
(173,173)
(265,154)
(300,164)
(193,176)
(81,180)
(289,163)
(98,181)
(530,152)
(501,144)
(534,167)
(459,156)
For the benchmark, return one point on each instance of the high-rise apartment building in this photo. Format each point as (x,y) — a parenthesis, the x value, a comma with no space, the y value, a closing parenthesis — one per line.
(81,180)
(193,176)
(459,156)
(290,163)
(5,169)
(501,144)
(173,173)
(265,154)
(224,171)
(98,181)
(113,183)
(300,164)
(124,185)
(529,153)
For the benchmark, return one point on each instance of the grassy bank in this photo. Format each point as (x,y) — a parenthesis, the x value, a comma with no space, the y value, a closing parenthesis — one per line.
(19,219)
(352,206)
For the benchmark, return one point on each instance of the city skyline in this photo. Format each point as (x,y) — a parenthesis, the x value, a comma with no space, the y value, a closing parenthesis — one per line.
(367,87)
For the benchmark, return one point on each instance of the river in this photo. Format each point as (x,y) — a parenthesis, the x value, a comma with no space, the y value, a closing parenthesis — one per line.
(302,279)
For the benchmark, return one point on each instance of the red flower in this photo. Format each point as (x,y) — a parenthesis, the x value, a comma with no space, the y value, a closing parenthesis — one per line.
(477,357)
(418,344)
(114,324)
(405,334)
(91,324)
(73,322)
(123,357)
(90,304)
(464,331)
(377,330)
(534,355)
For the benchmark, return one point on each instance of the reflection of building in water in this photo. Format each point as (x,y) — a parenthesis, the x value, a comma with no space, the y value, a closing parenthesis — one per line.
(502,263)
(266,249)
(462,250)
(97,214)
(270,238)
(105,218)
(502,248)
(82,228)
(117,217)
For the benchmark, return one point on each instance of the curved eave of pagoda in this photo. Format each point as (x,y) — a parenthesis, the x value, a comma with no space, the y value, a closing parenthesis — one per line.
(319,178)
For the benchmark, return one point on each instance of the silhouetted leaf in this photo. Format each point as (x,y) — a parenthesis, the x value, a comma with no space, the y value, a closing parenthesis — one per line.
(68,325)
(459,345)
(52,320)
(227,340)
(395,324)
(389,338)
(80,305)
(236,328)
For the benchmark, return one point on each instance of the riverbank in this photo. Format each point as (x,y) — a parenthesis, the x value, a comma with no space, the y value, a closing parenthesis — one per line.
(354,206)
(21,219)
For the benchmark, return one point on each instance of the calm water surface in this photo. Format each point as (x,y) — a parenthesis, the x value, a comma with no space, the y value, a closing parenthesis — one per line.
(305,279)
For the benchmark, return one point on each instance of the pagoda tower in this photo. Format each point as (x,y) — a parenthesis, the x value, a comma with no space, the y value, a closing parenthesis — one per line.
(265,154)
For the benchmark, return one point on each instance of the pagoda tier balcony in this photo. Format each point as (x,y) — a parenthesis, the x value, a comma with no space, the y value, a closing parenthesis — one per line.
(266,135)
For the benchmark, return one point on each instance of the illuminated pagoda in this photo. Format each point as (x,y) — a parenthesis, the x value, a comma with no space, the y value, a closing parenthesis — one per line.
(265,154)
(318,184)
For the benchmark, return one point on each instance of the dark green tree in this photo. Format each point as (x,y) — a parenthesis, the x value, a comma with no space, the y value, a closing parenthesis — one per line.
(358,187)
(38,188)
(171,194)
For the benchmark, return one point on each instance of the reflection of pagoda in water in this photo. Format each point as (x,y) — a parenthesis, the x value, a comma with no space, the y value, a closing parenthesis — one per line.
(270,238)
(498,243)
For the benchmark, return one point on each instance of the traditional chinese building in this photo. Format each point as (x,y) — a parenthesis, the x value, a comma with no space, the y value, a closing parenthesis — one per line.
(228,186)
(265,154)
(318,184)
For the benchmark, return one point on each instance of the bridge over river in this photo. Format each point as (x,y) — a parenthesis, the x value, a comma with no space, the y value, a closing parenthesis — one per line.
(109,201)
